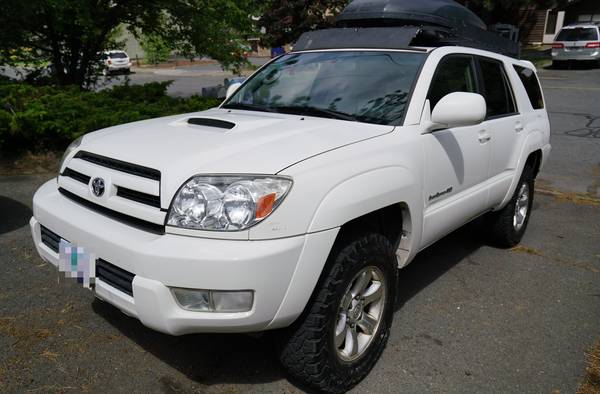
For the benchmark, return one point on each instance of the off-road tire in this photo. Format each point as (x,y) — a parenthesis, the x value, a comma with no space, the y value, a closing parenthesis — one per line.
(308,352)
(500,223)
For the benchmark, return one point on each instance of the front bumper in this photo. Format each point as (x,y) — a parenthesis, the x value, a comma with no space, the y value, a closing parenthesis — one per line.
(278,271)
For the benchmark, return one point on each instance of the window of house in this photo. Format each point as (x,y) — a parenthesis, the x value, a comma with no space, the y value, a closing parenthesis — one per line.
(551,23)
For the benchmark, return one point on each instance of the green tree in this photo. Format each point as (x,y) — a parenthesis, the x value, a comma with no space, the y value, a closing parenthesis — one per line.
(285,20)
(71,34)
(155,48)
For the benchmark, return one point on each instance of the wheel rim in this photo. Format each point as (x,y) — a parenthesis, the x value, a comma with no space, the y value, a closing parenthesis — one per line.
(521,207)
(360,313)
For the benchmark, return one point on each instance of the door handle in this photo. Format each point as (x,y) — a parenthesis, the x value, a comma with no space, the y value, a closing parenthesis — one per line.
(484,136)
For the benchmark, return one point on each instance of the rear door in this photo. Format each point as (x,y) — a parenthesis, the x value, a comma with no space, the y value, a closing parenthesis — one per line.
(503,123)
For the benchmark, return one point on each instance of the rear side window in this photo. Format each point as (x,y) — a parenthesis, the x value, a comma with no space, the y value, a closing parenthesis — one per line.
(532,86)
(496,89)
(117,55)
(578,34)
(454,74)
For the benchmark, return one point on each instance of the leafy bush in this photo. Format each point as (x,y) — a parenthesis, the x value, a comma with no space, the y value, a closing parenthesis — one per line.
(48,117)
(155,48)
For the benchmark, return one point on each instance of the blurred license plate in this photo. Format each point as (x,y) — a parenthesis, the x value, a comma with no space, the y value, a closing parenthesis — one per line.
(77,263)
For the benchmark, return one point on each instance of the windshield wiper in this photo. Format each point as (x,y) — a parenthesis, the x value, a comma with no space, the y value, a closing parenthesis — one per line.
(248,107)
(314,111)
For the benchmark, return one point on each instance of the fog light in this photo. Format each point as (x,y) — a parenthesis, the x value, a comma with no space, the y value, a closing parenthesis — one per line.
(232,301)
(214,300)
(193,300)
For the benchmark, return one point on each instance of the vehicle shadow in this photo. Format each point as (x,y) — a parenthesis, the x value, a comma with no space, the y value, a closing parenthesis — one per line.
(13,214)
(210,359)
(206,359)
(574,65)
(437,259)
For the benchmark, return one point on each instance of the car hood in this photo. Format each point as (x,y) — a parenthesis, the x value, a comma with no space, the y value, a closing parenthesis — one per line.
(258,142)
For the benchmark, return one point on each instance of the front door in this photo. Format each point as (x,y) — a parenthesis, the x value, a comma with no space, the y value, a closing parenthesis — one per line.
(456,159)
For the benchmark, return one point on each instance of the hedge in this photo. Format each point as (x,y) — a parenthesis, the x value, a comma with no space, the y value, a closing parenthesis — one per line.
(38,118)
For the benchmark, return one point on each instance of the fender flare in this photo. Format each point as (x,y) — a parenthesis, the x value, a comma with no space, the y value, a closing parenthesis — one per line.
(368,192)
(532,143)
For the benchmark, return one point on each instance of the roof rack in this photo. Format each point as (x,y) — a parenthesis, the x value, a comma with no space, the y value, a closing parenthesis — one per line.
(402,24)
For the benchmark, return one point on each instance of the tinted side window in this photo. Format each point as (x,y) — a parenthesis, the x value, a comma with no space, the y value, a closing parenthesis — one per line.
(532,86)
(497,92)
(454,74)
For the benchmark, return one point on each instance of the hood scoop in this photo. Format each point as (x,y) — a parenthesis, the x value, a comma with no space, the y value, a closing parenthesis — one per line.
(220,124)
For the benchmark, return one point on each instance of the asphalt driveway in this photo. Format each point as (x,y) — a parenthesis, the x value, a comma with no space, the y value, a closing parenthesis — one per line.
(470,318)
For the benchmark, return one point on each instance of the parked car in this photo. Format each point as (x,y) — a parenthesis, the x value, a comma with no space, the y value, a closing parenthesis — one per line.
(293,204)
(579,42)
(115,61)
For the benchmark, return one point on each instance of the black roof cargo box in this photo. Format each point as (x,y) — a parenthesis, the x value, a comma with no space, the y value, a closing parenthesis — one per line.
(400,24)
(445,13)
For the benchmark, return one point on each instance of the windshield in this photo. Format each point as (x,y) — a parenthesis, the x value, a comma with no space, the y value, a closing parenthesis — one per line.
(578,34)
(364,86)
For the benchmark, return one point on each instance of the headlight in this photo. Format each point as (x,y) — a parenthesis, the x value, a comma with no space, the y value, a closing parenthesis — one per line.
(226,203)
(72,146)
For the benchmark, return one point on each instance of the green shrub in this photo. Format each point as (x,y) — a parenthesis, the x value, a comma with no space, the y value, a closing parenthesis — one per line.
(155,48)
(48,118)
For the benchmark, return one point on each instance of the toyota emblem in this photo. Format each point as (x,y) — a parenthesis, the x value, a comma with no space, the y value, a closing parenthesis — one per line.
(98,187)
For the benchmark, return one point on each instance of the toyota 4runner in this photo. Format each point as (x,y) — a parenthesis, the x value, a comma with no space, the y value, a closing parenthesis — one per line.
(294,204)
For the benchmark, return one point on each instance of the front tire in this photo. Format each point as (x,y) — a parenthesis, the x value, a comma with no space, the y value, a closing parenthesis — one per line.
(508,225)
(345,327)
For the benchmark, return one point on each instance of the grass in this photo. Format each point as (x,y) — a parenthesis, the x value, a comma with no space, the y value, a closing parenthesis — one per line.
(538,55)
(30,163)
(591,384)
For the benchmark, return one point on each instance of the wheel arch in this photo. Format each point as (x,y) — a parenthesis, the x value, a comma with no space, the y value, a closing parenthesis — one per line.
(383,200)
(531,154)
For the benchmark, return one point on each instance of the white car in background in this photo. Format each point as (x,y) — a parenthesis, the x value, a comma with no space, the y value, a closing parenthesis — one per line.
(115,61)
(580,42)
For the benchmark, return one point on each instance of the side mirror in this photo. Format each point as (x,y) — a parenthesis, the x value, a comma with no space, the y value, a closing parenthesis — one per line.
(458,109)
(232,89)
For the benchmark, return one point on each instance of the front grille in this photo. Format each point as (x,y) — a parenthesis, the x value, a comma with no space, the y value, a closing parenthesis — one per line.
(119,165)
(114,276)
(121,217)
(50,238)
(78,176)
(140,197)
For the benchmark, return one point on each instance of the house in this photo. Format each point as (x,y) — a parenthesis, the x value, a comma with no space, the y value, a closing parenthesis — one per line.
(542,26)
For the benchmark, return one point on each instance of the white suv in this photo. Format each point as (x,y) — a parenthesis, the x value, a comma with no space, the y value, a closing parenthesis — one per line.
(115,61)
(294,203)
